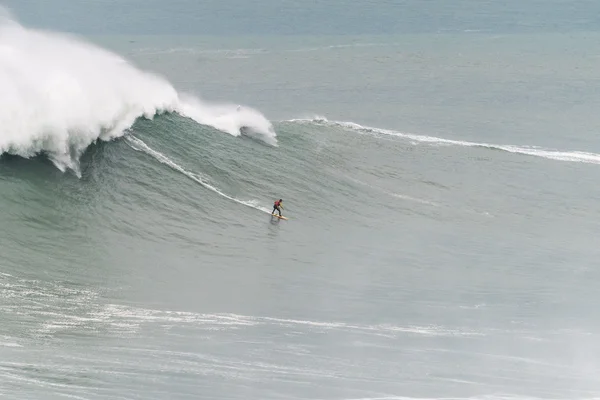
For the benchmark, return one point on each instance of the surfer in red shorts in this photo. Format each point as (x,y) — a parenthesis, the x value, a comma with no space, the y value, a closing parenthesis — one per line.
(277,206)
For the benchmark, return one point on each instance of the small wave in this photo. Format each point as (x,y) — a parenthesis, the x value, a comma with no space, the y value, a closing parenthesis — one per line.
(138,145)
(228,53)
(235,321)
(558,155)
(8,342)
(382,328)
(416,200)
(338,46)
(56,307)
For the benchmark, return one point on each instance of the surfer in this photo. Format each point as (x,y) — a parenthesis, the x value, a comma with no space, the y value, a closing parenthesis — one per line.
(277,206)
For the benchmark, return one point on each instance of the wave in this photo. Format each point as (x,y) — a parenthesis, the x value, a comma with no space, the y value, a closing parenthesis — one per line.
(339,46)
(61,94)
(138,145)
(236,120)
(229,53)
(559,155)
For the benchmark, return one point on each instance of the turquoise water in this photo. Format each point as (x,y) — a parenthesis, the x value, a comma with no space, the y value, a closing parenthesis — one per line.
(439,185)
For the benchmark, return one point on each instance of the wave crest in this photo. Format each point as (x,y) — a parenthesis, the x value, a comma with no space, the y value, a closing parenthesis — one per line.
(60,94)
(558,155)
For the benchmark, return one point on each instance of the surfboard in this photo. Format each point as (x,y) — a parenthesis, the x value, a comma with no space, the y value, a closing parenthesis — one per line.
(282,217)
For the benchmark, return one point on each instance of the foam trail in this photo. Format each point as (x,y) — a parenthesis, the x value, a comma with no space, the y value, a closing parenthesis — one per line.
(60,94)
(572,156)
(138,145)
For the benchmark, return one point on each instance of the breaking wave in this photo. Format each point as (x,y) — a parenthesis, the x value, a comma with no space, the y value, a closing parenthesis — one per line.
(60,94)
(559,155)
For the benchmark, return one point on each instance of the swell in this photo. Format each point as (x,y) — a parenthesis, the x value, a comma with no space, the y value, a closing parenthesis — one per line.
(551,154)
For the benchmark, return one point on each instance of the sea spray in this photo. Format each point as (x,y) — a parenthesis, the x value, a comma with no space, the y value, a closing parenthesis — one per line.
(60,94)
(233,119)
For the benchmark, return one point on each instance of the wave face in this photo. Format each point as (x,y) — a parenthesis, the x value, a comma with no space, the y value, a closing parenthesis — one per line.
(61,94)
(139,145)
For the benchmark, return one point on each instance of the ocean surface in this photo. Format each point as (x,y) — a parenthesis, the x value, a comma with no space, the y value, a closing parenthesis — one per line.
(441,187)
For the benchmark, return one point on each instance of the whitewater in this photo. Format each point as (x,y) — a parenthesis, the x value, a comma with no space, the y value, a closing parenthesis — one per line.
(60,94)
(552,154)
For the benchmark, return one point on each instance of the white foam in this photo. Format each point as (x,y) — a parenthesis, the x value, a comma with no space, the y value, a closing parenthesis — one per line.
(376,329)
(10,344)
(231,118)
(338,46)
(68,309)
(416,200)
(60,94)
(559,155)
(215,322)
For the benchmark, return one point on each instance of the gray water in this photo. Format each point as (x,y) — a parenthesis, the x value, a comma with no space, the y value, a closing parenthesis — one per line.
(439,181)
